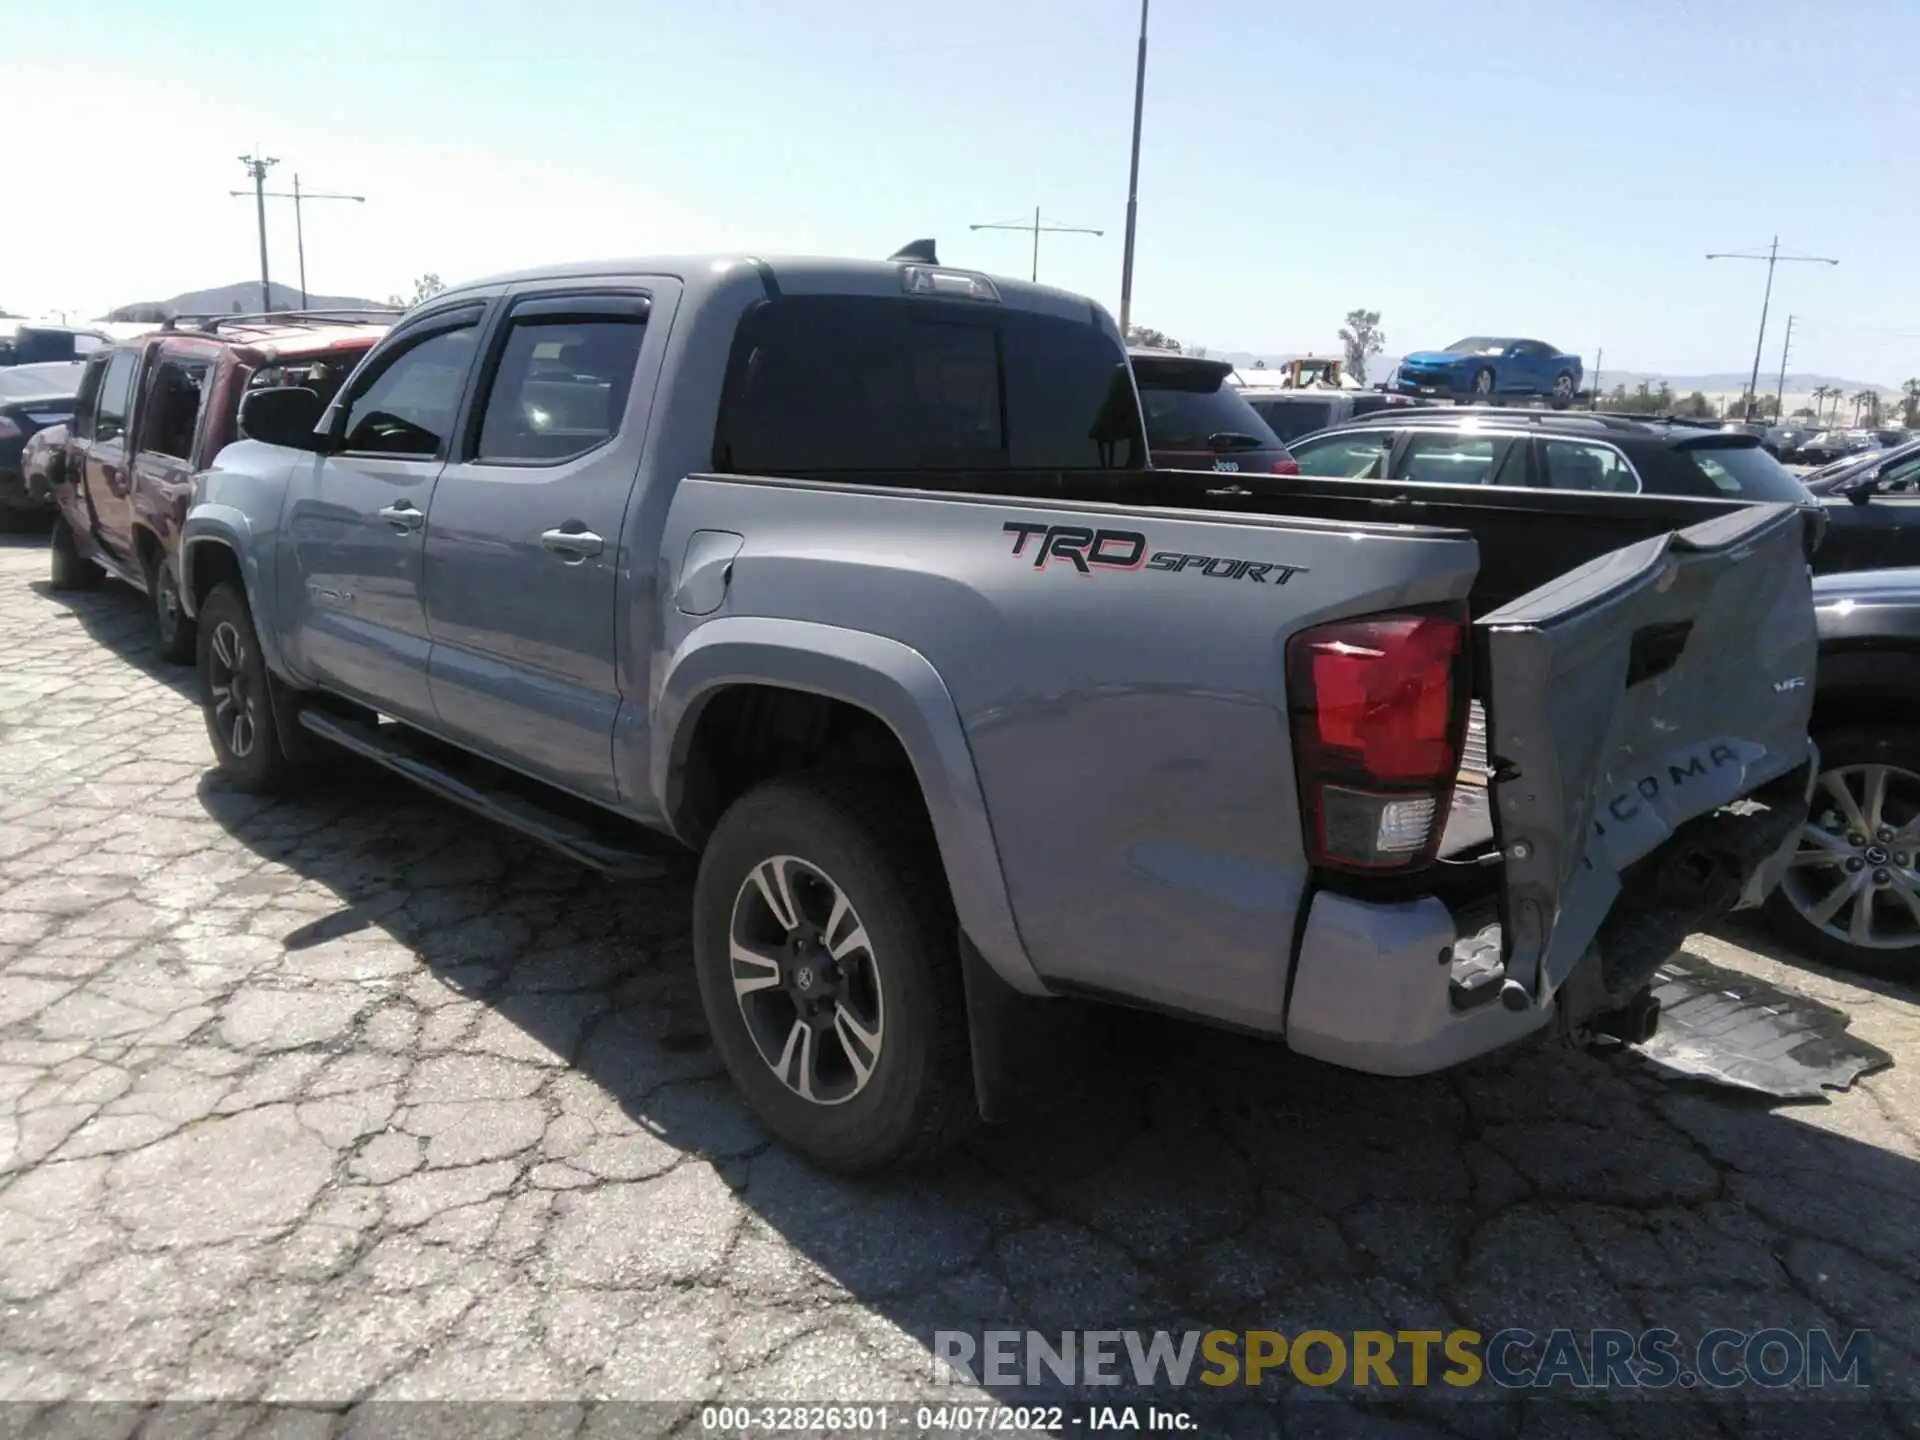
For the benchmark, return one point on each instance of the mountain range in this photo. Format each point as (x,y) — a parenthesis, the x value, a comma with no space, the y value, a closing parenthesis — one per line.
(243,297)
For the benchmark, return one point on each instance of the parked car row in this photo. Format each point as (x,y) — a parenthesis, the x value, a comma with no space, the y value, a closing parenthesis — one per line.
(986,663)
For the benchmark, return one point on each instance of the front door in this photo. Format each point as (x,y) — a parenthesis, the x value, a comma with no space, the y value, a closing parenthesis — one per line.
(523,551)
(355,519)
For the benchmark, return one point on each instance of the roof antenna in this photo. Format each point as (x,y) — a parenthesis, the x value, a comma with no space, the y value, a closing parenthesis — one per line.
(919,251)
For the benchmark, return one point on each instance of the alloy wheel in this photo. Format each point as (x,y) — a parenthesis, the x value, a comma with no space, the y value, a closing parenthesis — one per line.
(805,978)
(1563,387)
(236,706)
(1483,383)
(1855,874)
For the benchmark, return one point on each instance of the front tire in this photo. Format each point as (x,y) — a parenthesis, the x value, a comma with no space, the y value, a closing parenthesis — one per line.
(1852,894)
(175,637)
(70,569)
(826,951)
(234,696)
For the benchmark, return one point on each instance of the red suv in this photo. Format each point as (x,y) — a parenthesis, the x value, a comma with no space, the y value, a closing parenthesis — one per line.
(1196,421)
(153,411)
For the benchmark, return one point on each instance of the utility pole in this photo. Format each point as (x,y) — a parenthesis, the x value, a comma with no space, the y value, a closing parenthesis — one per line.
(1593,396)
(257,168)
(1133,179)
(1772,257)
(1036,227)
(1780,395)
(297,195)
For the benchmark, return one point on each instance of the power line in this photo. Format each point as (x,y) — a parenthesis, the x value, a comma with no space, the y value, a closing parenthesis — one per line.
(1773,257)
(297,195)
(1038,229)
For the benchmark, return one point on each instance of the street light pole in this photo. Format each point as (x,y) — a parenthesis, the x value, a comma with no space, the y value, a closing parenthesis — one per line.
(257,168)
(1133,178)
(1773,257)
(1036,227)
(297,195)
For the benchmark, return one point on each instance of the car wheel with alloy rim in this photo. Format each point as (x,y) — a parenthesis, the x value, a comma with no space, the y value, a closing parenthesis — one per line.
(826,951)
(1852,893)
(174,634)
(235,698)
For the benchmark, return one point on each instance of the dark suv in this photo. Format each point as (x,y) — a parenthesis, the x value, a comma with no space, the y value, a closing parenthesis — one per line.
(1548,451)
(1196,421)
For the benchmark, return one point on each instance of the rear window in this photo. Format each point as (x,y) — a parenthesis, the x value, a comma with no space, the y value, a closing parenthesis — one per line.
(862,383)
(1744,471)
(1290,417)
(1182,416)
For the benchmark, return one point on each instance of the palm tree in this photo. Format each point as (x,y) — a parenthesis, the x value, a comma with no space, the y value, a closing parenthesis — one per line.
(1820,394)
(1911,389)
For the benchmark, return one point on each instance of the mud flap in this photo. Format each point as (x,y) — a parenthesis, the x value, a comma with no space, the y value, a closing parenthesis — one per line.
(1644,690)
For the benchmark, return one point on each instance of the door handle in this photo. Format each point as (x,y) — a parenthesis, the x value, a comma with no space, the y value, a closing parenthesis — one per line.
(577,545)
(403,515)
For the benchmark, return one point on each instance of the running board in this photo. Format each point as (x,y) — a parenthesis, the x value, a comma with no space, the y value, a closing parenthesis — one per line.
(578,840)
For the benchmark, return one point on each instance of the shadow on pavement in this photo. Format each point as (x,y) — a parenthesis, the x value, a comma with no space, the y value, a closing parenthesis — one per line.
(1197,1181)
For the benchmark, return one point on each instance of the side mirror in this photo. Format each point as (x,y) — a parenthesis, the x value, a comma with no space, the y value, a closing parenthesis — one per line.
(285,416)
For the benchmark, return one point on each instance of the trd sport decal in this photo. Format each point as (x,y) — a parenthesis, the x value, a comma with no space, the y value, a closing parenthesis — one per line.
(1089,550)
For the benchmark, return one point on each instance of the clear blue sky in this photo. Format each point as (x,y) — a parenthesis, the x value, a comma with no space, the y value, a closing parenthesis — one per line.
(1552,169)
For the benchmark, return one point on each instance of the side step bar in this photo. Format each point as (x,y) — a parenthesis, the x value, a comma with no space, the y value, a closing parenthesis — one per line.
(573,838)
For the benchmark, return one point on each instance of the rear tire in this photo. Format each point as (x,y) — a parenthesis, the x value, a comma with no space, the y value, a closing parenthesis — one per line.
(849,1041)
(1850,759)
(1563,391)
(1483,384)
(175,637)
(70,569)
(234,697)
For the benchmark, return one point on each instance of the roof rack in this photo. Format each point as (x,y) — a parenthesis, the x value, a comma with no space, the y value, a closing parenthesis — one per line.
(269,319)
(1615,420)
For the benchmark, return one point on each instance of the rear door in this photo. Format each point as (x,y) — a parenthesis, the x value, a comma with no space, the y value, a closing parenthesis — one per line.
(523,541)
(1637,692)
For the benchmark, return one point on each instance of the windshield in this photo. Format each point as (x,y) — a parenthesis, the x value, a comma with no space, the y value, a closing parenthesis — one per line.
(1745,470)
(1473,345)
(1181,419)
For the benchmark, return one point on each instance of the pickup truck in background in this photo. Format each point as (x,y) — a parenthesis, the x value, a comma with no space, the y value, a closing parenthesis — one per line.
(152,411)
(855,578)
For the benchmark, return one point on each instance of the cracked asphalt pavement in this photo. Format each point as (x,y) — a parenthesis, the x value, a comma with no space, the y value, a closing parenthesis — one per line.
(356,1097)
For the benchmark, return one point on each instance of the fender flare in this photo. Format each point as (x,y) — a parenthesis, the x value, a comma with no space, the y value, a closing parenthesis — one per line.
(900,687)
(224,526)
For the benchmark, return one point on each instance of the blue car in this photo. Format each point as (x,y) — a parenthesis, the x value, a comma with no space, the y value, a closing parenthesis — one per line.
(1482,367)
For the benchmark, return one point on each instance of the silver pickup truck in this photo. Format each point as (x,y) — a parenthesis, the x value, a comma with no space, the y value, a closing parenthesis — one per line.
(854,577)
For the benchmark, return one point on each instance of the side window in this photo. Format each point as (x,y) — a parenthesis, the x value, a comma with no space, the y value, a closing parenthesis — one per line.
(864,384)
(85,345)
(560,388)
(1902,476)
(172,413)
(1571,465)
(1448,459)
(87,398)
(110,418)
(407,408)
(1345,457)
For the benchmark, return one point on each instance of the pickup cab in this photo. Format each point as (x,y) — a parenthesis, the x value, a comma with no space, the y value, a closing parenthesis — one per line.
(152,411)
(855,578)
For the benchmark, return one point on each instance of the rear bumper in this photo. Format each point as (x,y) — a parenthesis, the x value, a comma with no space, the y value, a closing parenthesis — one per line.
(1407,989)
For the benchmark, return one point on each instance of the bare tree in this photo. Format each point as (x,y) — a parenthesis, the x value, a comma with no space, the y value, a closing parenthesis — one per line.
(1363,337)
(425,287)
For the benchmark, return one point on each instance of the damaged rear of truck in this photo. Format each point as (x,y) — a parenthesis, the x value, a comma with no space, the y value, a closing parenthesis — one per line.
(856,577)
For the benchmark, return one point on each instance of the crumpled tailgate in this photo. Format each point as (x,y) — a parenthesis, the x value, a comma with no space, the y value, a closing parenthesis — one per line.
(1649,687)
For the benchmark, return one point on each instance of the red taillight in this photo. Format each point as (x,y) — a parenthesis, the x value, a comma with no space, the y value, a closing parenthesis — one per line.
(1289,466)
(1379,716)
